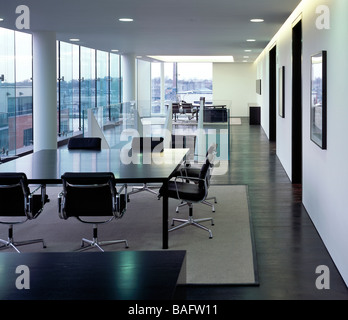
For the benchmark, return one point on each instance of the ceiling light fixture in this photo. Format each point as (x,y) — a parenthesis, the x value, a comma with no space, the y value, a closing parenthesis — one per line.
(247,50)
(1,19)
(257,20)
(251,40)
(74,40)
(125,19)
(114,50)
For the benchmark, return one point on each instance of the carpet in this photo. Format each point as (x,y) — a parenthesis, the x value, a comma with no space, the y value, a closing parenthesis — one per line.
(228,258)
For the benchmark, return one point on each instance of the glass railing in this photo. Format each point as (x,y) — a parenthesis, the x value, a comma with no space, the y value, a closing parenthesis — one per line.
(120,122)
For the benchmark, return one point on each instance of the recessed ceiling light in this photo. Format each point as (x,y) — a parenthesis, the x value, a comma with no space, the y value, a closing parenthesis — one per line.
(247,50)
(251,40)
(126,19)
(74,40)
(1,19)
(246,57)
(257,20)
(114,50)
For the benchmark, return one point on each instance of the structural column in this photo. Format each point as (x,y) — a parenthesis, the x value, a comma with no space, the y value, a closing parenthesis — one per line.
(128,77)
(44,91)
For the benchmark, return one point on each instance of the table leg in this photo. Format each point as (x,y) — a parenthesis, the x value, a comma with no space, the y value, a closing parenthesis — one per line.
(165,217)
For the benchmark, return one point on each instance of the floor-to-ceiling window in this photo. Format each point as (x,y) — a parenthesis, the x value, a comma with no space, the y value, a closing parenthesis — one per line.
(180,82)
(16,102)
(68,88)
(88,78)
(194,80)
(102,79)
(88,86)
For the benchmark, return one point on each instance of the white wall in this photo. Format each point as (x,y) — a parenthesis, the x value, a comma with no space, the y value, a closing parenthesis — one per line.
(325,172)
(234,85)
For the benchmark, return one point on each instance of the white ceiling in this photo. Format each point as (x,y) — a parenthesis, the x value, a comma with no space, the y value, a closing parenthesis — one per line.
(160,27)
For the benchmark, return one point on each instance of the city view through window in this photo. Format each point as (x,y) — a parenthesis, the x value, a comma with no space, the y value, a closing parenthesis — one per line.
(86,78)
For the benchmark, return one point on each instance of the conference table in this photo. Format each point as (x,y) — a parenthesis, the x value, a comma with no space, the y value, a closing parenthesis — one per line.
(47,166)
(113,275)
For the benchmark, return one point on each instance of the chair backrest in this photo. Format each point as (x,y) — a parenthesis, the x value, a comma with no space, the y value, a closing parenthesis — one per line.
(14,192)
(147,144)
(89,194)
(86,143)
(175,107)
(204,175)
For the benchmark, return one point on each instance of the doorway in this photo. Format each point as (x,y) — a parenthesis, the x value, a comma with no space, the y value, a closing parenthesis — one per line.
(273,94)
(297,103)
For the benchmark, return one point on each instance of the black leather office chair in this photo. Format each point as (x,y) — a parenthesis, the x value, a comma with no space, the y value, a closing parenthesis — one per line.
(88,195)
(85,143)
(193,170)
(141,145)
(190,190)
(18,205)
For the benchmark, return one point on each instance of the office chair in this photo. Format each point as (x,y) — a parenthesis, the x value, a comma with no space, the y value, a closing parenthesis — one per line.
(18,205)
(193,170)
(86,143)
(141,145)
(190,190)
(88,195)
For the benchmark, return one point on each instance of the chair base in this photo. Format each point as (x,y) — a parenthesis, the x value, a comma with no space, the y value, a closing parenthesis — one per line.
(99,244)
(145,187)
(14,245)
(193,222)
(204,202)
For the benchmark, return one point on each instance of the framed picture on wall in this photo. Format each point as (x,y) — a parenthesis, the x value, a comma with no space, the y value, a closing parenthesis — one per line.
(319,99)
(281,92)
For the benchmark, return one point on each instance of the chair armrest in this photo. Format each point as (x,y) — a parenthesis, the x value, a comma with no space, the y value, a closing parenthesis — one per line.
(189,179)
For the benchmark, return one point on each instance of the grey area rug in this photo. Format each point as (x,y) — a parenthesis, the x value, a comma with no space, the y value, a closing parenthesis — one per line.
(228,258)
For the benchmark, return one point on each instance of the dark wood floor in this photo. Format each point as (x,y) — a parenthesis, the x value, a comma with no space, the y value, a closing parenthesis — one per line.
(288,247)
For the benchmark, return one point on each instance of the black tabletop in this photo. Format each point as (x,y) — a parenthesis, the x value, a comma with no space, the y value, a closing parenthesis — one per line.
(47,166)
(122,275)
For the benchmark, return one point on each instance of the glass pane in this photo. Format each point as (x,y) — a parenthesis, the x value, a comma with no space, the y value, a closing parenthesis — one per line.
(88,87)
(87,78)
(195,81)
(75,88)
(66,88)
(170,81)
(24,92)
(69,88)
(115,95)
(102,79)
(7,93)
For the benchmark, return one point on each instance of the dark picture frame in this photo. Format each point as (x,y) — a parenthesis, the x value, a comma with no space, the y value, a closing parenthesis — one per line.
(318,103)
(281,92)
(258,86)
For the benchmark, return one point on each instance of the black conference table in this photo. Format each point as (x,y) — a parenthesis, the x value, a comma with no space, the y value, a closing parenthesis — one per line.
(47,166)
(117,275)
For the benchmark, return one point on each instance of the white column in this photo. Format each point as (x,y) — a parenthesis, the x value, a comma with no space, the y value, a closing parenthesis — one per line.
(128,77)
(44,91)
